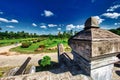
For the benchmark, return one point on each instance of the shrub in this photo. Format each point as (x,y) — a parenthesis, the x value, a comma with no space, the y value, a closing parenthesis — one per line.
(12,42)
(55,41)
(46,61)
(38,40)
(34,41)
(41,46)
(25,44)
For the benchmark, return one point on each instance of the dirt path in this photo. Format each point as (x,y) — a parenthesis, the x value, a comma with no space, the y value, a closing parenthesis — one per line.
(8,58)
(16,60)
(7,48)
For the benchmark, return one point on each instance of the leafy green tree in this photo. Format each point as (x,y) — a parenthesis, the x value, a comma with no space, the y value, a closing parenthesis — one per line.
(11,34)
(113,30)
(60,35)
(64,34)
(118,28)
(35,35)
(50,37)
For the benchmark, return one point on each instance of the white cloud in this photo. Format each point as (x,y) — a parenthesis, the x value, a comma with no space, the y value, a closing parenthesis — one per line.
(52,25)
(70,27)
(8,21)
(111,15)
(47,13)
(100,20)
(13,21)
(10,26)
(116,24)
(1,12)
(80,26)
(44,27)
(4,20)
(59,29)
(112,8)
(33,24)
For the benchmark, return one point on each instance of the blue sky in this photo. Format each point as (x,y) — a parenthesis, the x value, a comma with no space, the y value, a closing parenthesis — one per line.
(51,16)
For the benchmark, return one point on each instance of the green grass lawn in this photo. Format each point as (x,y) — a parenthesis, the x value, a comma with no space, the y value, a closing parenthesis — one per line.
(46,42)
(7,42)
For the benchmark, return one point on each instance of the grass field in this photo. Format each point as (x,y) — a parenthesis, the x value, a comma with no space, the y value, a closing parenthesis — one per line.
(7,42)
(50,46)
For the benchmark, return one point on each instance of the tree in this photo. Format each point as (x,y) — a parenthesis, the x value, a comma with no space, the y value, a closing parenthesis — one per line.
(50,36)
(118,28)
(11,34)
(35,35)
(113,30)
(71,32)
(65,34)
(60,34)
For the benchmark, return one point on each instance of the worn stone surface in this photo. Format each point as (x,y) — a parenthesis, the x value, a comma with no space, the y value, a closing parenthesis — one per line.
(61,48)
(101,34)
(98,41)
(60,51)
(104,47)
(103,62)
(102,73)
(32,70)
(82,62)
(49,75)
(83,48)
(101,69)
(91,22)
(95,50)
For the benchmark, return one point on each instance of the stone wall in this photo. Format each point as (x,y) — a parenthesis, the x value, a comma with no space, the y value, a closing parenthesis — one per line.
(104,47)
(49,75)
(102,73)
(81,62)
(83,48)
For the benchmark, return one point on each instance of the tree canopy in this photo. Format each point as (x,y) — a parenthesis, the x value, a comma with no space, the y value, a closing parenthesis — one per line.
(116,31)
(17,35)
